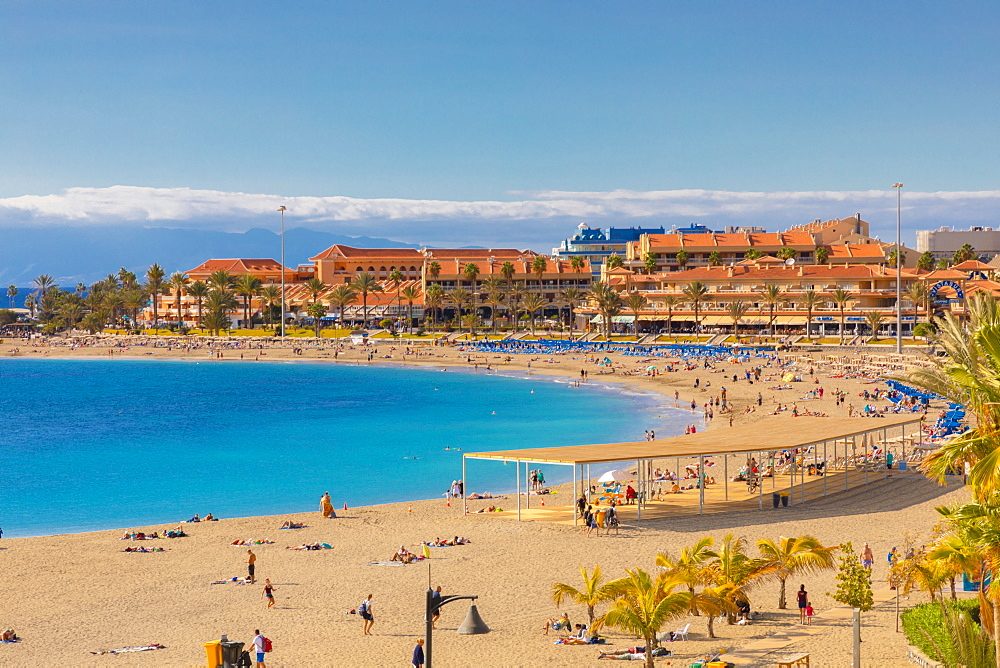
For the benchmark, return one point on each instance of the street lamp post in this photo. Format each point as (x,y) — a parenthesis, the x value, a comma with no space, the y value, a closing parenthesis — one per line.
(473,624)
(899,276)
(282,210)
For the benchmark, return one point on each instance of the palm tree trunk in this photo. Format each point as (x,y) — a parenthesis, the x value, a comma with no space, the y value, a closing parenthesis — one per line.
(996,631)
(782,603)
(711,626)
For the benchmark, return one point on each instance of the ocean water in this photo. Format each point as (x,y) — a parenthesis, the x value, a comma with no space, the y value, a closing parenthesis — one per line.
(100,444)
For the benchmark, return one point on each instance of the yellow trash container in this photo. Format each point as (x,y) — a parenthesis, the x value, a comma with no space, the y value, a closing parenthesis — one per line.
(427,552)
(213,653)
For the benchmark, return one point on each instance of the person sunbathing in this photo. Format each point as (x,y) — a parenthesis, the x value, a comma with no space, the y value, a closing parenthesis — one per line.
(210,517)
(293,525)
(8,636)
(402,555)
(560,624)
(675,489)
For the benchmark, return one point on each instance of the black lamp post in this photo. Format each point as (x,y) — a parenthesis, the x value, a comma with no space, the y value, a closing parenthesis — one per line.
(473,624)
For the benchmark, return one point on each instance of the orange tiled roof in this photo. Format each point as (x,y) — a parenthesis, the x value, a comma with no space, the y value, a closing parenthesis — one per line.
(503,254)
(972,265)
(299,293)
(238,266)
(815,271)
(733,240)
(349,252)
(856,250)
(945,275)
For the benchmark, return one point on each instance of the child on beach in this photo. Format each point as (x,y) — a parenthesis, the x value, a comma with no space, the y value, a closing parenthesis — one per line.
(809,612)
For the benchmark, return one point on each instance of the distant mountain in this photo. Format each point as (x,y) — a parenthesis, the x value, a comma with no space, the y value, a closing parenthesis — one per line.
(87,254)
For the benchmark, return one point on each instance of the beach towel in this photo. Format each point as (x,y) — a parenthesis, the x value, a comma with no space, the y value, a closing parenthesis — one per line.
(128,650)
(385,563)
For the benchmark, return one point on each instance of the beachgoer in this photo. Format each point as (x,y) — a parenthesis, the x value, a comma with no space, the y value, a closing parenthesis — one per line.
(892,558)
(258,645)
(557,624)
(867,558)
(326,505)
(809,613)
(251,565)
(611,519)
(365,610)
(268,592)
(418,654)
(436,598)
(802,597)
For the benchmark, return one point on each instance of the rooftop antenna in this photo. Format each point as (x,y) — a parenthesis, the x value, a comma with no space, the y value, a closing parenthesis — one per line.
(790,262)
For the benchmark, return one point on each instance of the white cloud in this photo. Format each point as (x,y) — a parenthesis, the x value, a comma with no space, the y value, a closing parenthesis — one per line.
(527,218)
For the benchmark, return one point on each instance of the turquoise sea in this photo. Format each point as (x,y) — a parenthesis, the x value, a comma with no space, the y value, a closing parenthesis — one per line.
(100,444)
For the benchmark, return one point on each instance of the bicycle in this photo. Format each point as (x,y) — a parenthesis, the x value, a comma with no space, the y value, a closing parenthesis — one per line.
(752,483)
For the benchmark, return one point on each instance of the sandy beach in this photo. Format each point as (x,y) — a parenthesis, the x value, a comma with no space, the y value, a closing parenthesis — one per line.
(70,595)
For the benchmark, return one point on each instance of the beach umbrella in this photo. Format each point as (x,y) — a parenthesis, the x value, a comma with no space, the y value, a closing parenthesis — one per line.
(615,476)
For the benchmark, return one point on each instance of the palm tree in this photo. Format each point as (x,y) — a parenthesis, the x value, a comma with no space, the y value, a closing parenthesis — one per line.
(461,297)
(841,298)
(690,566)
(410,293)
(43,283)
(926,261)
(593,592)
(737,310)
(515,293)
(980,522)
(609,303)
(507,270)
(964,254)
(891,259)
(434,299)
(753,254)
(635,303)
(822,254)
(218,304)
(786,556)
(714,259)
(650,262)
(29,303)
(735,571)
(154,286)
(133,300)
(199,290)
(966,375)
(396,277)
(81,288)
(874,320)
(270,295)
(917,292)
(221,280)
(365,284)
(696,291)
(642,605)
(682,258)
(786,253)
(572,297)
(11,293)
(249,286)
(671,302)
(316,311)
(471,272)
(340,298)
(533,303)
(538,267)
(810,300)
(772,296)
(614,262)
(179,282)
(434,269)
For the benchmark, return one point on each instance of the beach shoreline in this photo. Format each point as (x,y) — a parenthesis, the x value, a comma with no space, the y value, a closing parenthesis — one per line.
(71,594)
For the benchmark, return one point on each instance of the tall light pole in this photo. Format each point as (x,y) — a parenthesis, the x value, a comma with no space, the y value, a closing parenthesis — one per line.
(899,276)
(282,210)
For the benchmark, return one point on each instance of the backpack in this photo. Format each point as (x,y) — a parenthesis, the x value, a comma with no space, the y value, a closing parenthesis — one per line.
(267,645)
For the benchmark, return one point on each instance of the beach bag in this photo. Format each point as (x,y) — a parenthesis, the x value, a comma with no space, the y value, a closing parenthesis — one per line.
(245,660)
(267,645)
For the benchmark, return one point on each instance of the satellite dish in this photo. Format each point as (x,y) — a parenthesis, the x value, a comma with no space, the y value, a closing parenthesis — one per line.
(790,262)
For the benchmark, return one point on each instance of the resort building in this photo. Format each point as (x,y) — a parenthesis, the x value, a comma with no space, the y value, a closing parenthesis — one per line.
(944,242)
(595,246)
(871,297)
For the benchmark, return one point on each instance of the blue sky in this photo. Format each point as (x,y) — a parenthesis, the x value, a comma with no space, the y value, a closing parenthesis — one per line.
(466,102)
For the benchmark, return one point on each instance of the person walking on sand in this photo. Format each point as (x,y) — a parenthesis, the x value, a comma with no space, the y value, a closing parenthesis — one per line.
(418,654)
(251,563)
(802,598)
(436,598)
(268,592)
(365,610)
(867,558)
(258,648)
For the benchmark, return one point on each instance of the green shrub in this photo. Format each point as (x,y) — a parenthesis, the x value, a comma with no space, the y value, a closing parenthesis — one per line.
(952,640)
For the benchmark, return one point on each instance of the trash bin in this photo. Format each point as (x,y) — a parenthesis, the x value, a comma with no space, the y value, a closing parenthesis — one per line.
(784,499)
(213,653)
(231,653)
(776,499)
(902,466)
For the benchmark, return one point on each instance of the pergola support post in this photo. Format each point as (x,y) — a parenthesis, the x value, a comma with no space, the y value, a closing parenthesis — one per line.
(701,484)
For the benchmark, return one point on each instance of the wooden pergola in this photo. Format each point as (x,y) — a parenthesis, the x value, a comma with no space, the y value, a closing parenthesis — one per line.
(769,435)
